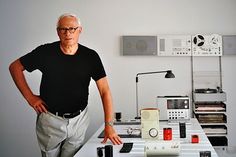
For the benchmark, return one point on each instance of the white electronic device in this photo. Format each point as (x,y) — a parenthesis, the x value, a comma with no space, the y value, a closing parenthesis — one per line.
(174,45)
(161,147)
(150,123)
(207,45)
(173,107)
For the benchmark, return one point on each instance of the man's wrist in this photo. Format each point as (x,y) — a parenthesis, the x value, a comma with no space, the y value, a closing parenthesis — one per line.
(110,123)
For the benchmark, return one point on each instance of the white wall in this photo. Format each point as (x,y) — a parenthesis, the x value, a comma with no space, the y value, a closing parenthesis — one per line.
(26,24)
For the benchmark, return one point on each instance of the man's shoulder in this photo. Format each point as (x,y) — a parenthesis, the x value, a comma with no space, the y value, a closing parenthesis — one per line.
(47,47)
(50,45)
(85,48)
(44,49)
(88,51)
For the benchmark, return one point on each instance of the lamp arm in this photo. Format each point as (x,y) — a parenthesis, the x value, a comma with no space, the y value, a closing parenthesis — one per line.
(152,72)
(136,87)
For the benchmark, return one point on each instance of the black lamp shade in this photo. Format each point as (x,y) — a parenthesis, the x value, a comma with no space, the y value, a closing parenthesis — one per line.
(169,74)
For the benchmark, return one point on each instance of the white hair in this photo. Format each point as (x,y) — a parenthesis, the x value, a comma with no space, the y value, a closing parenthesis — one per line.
(68,15)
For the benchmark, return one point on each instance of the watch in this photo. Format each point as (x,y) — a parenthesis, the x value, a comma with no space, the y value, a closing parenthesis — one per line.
(109,123)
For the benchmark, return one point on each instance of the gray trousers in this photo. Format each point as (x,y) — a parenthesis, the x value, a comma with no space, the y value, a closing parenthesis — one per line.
(60,137)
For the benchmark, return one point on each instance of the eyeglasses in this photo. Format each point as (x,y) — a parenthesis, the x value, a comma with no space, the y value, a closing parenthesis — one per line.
(64,30)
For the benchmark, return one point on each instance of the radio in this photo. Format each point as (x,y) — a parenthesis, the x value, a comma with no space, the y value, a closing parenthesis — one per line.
(173,107)
(150,123)
(174,45)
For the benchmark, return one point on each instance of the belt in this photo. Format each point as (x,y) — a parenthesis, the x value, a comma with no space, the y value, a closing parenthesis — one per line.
(67,115)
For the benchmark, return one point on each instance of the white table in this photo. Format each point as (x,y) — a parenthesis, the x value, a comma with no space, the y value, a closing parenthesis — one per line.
(188,149)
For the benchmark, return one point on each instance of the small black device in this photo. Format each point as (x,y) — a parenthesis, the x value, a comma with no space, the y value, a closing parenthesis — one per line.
(108,151)
(99,152)
(126,148)
(118,116)
(205,153)
(182,129)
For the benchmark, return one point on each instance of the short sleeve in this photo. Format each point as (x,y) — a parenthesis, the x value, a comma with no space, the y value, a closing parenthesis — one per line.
(98,68)
(32,60)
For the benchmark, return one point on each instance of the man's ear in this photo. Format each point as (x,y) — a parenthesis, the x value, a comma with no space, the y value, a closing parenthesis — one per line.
(80,29)
(57,31)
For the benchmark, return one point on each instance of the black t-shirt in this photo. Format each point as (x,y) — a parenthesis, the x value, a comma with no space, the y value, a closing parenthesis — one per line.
(65,78)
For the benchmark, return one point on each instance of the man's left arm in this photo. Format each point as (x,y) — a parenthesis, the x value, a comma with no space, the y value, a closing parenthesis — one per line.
(105,93)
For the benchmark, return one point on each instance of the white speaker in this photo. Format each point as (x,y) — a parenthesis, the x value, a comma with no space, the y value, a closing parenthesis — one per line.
(150,123)
(229,44)
(139,45)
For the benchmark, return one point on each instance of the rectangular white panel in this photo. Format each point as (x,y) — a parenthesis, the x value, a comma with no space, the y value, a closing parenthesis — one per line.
(174,45)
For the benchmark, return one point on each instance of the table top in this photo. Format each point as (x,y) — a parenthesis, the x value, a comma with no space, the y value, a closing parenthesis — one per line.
(187,148)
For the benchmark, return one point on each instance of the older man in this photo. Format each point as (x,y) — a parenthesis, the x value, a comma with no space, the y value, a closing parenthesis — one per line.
(67,68)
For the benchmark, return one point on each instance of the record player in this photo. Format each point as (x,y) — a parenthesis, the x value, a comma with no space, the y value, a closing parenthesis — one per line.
(209,95)
(206,90)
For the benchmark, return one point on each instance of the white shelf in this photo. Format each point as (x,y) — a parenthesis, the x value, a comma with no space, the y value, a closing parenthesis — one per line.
(218,135)
(209,106)
(209,97)
(210,112)
(212,123)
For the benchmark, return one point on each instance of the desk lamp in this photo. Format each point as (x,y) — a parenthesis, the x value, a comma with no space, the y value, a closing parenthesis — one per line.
(169,74)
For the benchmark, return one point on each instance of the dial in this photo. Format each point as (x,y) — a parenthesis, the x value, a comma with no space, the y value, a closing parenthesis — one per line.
(153,132)
(129,131)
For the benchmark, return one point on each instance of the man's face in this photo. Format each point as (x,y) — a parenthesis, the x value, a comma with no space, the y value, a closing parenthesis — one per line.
(68,31)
